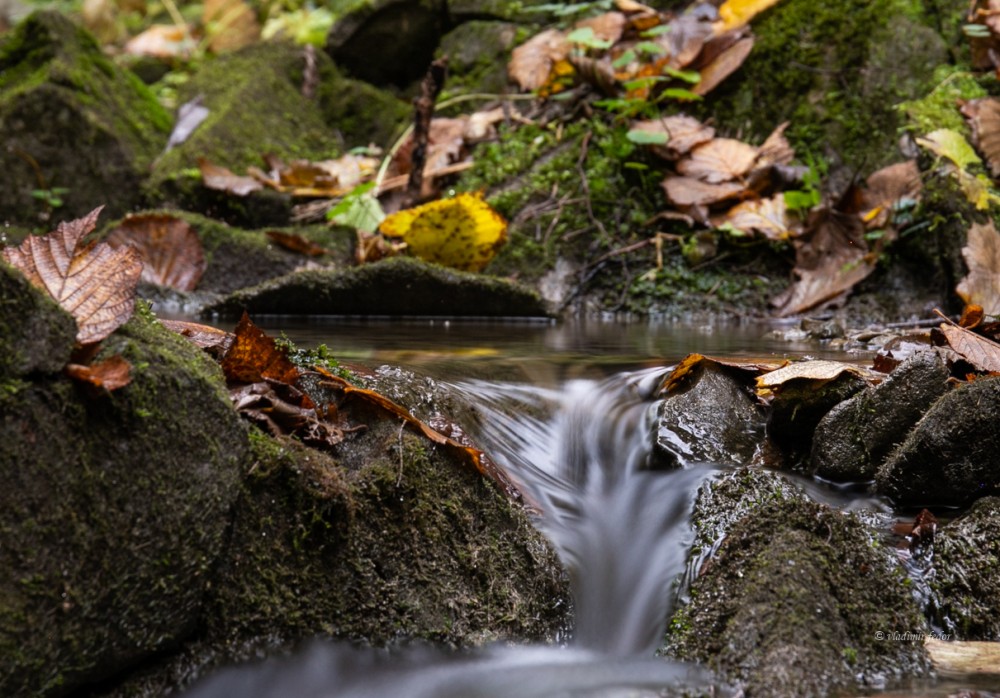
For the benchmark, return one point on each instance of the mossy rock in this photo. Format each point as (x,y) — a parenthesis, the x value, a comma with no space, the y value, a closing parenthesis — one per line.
(395,286)
(478,52)
(115,512)
(790,602)
(36,335)
(72,121)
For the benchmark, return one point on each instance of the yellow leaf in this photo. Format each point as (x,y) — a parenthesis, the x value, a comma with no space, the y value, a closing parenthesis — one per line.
(736,13)
(462,232)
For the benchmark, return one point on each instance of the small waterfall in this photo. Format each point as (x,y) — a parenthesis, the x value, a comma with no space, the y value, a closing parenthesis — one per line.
(581,456)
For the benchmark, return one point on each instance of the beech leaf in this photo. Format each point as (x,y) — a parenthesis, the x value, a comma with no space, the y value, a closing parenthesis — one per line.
(688,191)
(982,353)
(95,283)
(719,160)
(724,65)
(682,134)
(171,250)
(983,115)
(532,62)
(981,286)
(769,217)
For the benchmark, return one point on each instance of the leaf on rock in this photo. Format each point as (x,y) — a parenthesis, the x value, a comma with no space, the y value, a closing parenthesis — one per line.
(727,63)
(253,356)
(983,115)
(279,408)
(463,232)
(95,283)
(738,13)
(689,367)
(172,254)
(296,243)
(219,178)
(719,160)
(111,374)
(162,41)
(211,339)
(982,353)
(683,133)
(768,217)
(814,370)
(886,188)
(831,257)
(981,285)
(229,25)
(531,63)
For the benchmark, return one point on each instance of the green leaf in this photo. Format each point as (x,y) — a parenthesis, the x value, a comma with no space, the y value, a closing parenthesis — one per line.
(647,137)
(976,31)
(681,94)
(624,59)
(690,76)
(949,143)
(359,209)
(801,200)
(584,36)
(650,48)
(658,30)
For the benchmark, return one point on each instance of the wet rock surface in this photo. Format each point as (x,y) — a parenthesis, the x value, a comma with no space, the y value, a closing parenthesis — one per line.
(965,586)
(791,600)
(856,436)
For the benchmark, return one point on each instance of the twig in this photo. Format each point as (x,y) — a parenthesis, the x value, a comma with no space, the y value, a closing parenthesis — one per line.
(423,107)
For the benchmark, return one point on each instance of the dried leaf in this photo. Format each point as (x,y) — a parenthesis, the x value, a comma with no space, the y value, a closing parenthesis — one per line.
(162,41)
(831,257)
(190,116)
(282,409)
(684,371)
(221,179)
(295,243)
(445,146)
(982,353)
(719,160)
(532,62)
(687,36)
(776,150)
(462,232)
(171,251)
(211,339)
(738,13)
(683,133)
(981,285)
(95,283)
(769,217)
(606,27)
(983,115)
(253,356)
(886,188)
(972,316)
(688,191)
(111,374)
(230,25)
(727,63)
(814,370)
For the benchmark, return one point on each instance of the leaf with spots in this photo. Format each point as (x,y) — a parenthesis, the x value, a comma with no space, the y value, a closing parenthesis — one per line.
(253,356)
(463,232)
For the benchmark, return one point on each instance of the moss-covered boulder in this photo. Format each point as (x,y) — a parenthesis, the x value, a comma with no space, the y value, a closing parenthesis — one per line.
(965,585)
(114,512)
(76,128)
(791,600)
(395,286)
(35,334)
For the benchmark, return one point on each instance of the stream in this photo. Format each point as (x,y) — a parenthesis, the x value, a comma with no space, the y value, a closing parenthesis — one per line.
(566,410)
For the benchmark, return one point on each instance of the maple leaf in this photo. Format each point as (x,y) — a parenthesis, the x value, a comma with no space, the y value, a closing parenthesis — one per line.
(981,285)
(463,232)
(171,250)
(95,283)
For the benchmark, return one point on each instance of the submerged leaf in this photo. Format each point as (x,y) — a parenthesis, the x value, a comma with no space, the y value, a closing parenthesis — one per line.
(463,232)
(171,250)
(95,283)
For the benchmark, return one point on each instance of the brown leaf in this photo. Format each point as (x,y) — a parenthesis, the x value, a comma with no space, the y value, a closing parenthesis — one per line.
(814,370)
(607,27)
(111,374)
(686,38)
(683,133)
(162,41)
(95,283)
(532,61)
(211,339)
(688,191)
(282,409)
(769,217)
(230,25)
(972,316)
(983,116)
(982,353)
(719,160)
(886,188)
(171,251)
(686,370)
(295,243)
(253,356)
(831,257)
(775,150)
(727,63)
(982,255)
(219,178)
(445,146)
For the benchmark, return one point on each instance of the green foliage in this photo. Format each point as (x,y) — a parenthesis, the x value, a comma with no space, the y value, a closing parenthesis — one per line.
(584,36)
(810,195)
(52,198)
(360,209)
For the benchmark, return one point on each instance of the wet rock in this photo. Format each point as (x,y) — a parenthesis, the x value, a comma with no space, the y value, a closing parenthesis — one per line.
(75,126)
(949,457)
(36,335)
(965,585)
(114,512)
(396,286)
(714,421)
(857,435)
(793,598)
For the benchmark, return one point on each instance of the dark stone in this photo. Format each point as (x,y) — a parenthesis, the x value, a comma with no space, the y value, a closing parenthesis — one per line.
(478,53)
(395,286)
(713,421)
(36,335)
(791,601)
(114,512)
(965,585)
(71,120)
(856,436)
(949,457)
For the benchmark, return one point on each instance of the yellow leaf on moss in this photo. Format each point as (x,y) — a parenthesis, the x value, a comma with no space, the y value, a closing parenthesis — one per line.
(737,13)
(462,232)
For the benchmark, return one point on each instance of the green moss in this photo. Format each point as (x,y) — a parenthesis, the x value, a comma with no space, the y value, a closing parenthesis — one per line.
(940,107)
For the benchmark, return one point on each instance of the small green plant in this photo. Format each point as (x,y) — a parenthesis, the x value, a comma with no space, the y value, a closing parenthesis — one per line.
(803,200)
(52,198)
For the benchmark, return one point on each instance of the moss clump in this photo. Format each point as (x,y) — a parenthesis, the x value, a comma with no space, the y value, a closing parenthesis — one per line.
(36,335)
(939,107)
(71,119)
(115,510)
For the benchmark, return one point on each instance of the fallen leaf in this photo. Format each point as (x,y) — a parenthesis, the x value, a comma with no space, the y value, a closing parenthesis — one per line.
(532,62)
(462,232)
(688,191)
(981,285)
(172,254)
(738,13)
(606,27)
(689,366)
(295,243)
(727,63)
(190,116)
(445,146)
(886,188)
(211,339)
(219,178)
(775,150)
(282,409)
(983,115)
(111,374)
(768,217)
(94,282)
(687,35)
(951,145)
(162,41)
(982,353)
(229,25)
(253,356)
(719,160)
(682,132)
(972,316)
(813,370)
